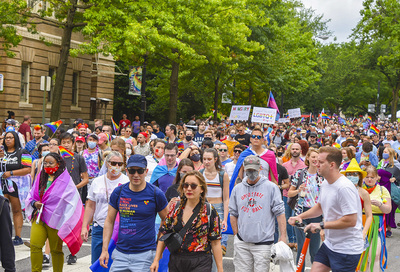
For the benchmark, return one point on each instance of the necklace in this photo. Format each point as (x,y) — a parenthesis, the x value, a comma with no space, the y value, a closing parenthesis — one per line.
(72,165)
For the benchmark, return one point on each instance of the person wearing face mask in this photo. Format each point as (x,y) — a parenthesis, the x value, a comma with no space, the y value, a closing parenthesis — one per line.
(52,196)
(92,157)
(254,203)
(155,157)
(98,197)
(230,140)
(366,157)
(193,153)
(347,155)
(129,150)
(187,141)
(172,194)
(43,149)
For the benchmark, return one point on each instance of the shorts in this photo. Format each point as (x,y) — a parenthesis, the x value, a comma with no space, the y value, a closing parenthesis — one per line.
(4,187)
(134,262)
(338,262)
(193,262)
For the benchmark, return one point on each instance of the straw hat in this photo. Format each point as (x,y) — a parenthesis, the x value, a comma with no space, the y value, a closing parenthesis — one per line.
(350,140)
(354,167)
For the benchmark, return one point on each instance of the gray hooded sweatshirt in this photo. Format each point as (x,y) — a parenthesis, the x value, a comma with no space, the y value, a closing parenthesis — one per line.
(256,206)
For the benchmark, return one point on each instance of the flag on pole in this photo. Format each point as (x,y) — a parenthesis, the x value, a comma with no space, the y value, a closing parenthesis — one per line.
(115,126)
(302,119)
(272,104)
(65,153)
(53,126)
(373,129)
(310,118)
(324,116)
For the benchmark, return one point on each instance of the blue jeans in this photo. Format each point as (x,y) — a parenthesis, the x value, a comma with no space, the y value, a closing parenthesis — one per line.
(315,240)
(97,242)
(289,228)
(220,209)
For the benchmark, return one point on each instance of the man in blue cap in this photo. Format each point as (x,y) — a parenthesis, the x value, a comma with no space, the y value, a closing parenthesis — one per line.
(138,202)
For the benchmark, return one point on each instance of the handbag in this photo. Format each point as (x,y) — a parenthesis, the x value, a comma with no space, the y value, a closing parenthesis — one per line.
(395,192)
(174,240)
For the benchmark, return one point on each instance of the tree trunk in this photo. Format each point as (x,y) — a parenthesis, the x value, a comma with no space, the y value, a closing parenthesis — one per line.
(62,66)
(173,93)
(395,92)
(251,96)
(216,96)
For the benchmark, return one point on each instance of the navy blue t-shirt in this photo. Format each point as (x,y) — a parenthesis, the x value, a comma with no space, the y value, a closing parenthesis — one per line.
(137,217)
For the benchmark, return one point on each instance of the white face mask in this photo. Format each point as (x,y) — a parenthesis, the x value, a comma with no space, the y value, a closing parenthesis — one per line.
(128,151)
(354,179)
(114,170)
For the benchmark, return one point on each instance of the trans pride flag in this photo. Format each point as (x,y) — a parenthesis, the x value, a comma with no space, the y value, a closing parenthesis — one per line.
(272,104)
(62,210)
(162,169)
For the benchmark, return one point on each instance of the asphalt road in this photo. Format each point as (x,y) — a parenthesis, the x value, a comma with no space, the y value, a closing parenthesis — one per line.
(23,255)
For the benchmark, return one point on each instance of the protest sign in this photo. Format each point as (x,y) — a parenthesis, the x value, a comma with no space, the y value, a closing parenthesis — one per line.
(263,115)
(284,120)
(294,113)
(239,113)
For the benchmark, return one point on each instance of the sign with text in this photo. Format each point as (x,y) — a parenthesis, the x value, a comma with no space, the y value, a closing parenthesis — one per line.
(239,113)
(294,113)
(284,120)
(263,115)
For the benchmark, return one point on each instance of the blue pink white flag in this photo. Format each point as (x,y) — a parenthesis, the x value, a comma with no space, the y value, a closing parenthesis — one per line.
(272,104)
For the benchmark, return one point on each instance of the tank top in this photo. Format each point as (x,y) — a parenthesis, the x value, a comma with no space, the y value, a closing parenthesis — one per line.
(214,189)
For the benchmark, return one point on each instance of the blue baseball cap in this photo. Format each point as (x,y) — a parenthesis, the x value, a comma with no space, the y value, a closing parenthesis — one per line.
(137,161)
(10,129)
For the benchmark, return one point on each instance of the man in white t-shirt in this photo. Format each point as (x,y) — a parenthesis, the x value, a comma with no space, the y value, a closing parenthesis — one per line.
(340,205)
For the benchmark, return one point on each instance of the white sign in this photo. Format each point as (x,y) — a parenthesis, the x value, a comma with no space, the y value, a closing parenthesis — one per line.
(1,82)
(284,120)
(294,113)
(263,115)
(45,83)
(225,99)
(240,113)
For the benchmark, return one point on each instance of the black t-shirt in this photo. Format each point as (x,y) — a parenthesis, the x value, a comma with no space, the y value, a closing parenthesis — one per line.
(282,174)
(243,139)
(79,167)
(16,160)
(172,192)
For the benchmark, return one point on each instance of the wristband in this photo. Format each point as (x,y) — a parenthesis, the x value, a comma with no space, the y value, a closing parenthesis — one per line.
(33,203)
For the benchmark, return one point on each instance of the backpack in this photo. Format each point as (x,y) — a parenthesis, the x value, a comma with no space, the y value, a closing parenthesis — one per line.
(293,200)
(208,210)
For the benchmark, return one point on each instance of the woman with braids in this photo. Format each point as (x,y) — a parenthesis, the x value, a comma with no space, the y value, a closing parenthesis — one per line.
(201,237)
(56,210)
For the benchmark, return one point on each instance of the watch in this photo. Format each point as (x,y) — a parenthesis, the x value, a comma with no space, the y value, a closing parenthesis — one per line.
(11,173)
(322,225)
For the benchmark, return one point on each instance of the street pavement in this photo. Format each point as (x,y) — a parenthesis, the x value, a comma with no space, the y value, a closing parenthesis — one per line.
(24,265)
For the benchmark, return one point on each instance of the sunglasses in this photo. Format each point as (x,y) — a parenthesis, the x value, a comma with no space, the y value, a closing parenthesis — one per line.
(192,185)
(114,163)
(132,171)
(256,136)
(223,150)
(237,151)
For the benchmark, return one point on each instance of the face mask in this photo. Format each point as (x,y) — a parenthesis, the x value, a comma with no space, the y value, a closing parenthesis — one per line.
(188,138)
(345,158)
(385,156)
(207,138)
(128,151)
(252,175)
(232,135)
(182,175)
(279,154)
(91,144)
(354,179)
(195,157)
(45,153)
(114,170)
(51,170)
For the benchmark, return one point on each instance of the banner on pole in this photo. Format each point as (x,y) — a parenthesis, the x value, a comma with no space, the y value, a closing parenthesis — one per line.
(283,120)
(135,80)
(239,113)
(263,115)
(294,113)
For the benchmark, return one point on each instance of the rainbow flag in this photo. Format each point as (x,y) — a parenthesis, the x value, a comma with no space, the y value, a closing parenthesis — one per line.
(115,126)
(302,119)
(373,129)
(369,119)
(53,126)
(336,145)
(26,160)
(272,104)
(325,116)
(65,153)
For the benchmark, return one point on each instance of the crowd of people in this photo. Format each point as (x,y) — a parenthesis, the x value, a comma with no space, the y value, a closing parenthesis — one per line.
(146,188)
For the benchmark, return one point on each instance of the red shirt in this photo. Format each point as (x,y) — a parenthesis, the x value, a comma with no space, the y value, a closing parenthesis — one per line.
(124,123)
(23,129)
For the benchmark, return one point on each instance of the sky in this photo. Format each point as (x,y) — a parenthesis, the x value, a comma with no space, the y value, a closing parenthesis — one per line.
(344,15)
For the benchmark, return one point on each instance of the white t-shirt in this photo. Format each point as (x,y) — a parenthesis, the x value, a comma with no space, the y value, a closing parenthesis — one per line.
(337,200)
(229,168)
(391,142)
(97,193)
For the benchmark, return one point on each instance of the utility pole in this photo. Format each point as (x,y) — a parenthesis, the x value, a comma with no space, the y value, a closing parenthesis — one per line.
(377,99)
(143,92)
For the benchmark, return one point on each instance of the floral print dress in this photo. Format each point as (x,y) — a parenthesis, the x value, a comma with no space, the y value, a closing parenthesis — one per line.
(199,236)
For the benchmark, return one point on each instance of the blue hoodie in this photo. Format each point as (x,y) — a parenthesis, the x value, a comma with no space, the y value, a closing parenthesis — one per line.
(256,206)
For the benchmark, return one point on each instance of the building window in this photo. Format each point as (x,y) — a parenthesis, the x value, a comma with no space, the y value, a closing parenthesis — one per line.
(75,88)
(52,74)
(24,96)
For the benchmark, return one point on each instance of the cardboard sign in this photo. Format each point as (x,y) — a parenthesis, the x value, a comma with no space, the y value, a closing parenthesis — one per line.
(294,113)
(284,120)
(239,112)
(263,115)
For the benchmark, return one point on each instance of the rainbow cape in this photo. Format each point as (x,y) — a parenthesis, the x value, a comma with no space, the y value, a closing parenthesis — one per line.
(65,153)
(373,129)
(53,126)
(115,126)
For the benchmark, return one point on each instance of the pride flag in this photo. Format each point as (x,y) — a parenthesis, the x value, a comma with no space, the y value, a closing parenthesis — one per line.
(325,116)
(336,145)
(115,126)
(26,160)
(53,126)
(65,153)
(373,129)
(302,119)
(369,119)
(272,104)
(63,209)
(341,120)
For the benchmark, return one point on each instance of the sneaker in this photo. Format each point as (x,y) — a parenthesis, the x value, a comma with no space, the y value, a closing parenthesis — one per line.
(388,233)
(71,259)
(46,259)
(17,241)
(223,250)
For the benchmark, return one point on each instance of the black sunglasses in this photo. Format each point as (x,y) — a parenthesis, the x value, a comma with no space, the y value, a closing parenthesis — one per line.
(192,185)
(237,151)
(223,150)
(256,136)
(114,163)
(132,171)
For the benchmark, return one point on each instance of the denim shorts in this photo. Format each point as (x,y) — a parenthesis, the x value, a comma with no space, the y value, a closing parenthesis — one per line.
(336,261)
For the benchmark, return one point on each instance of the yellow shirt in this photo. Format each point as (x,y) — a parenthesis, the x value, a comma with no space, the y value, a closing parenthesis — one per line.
(377,194)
